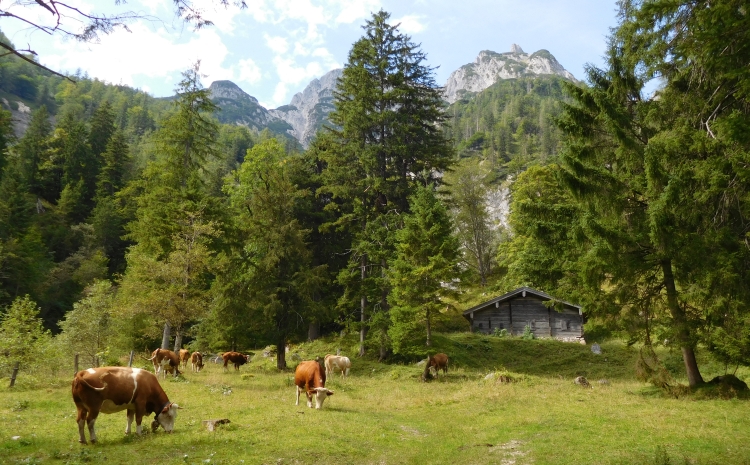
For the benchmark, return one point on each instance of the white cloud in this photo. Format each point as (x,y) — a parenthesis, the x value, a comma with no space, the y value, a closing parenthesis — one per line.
(157,56)
(410,24)
(247,71)
(355,10)
(276,43)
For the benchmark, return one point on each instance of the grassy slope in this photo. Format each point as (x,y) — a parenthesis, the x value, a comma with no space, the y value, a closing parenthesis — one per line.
(382,414)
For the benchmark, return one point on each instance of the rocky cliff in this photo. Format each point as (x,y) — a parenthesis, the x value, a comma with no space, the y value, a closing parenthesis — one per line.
(238,107)
(489,67)
(309,109)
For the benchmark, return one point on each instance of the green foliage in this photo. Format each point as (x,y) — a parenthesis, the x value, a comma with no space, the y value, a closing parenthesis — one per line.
(387,141)
(424,269)
(273,262)
(88,328)
(467,185)
(510,124)
(528,334)
(23,338)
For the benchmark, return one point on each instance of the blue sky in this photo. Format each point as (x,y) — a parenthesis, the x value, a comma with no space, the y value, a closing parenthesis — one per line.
(274,48)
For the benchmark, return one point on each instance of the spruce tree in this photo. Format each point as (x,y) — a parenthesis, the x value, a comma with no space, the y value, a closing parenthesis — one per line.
(387,140)
(176,220)
(654,175)
(423,270)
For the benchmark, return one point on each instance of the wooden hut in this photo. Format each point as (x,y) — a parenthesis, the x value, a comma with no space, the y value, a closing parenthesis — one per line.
(526,307)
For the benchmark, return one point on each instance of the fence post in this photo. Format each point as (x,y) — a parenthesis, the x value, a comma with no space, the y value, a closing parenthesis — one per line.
(13,376)
(130,362)
(76,364)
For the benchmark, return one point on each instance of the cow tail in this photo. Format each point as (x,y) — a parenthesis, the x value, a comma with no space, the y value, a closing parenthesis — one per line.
(92,387)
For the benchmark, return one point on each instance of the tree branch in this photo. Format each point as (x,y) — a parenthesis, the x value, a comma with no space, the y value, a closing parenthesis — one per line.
(20,55)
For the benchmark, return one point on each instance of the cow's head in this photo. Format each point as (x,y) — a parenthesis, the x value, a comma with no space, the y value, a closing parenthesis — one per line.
(320,395)
(165,418)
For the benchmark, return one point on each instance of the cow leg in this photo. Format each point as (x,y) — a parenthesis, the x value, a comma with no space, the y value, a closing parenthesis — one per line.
(138,418)
(91,421)
(309,399)
(131,414)
(81,420)
(296,403)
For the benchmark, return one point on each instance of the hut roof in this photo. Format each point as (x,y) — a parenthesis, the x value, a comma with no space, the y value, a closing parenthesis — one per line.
(514,293)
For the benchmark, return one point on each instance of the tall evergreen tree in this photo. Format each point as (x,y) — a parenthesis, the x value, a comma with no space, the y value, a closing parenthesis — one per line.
(660,180)
(423,271)
(102,126)
(388,140)
(276,269)
(31,151)
(176,220)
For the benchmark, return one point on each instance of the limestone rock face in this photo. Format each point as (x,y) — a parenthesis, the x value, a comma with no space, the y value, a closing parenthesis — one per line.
(238,107)
(309,109)
(489,67)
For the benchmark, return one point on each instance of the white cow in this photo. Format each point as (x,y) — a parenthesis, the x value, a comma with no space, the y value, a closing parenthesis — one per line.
(336,363)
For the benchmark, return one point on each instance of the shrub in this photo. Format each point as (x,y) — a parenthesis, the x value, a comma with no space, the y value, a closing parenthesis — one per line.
(527,333)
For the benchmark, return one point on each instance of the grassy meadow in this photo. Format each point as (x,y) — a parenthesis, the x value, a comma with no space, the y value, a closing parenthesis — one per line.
(383,414)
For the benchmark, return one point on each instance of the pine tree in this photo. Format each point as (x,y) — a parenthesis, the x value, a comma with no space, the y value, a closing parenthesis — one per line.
(424,269)
(387,140)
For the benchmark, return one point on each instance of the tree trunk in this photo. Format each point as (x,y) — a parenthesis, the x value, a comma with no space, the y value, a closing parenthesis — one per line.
(178,341)
(429,330)
(313,331)
(683,330)
(281,354)
(165,336)
(362,307)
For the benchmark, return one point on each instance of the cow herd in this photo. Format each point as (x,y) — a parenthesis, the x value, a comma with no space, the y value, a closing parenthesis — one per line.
(114,389)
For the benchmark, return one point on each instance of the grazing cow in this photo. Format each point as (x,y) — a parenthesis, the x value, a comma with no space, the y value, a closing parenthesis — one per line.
(438,362)
(336,363)
(236,358)
(196,361)
(164,360)
(113,389)
(310,377)
(184,358)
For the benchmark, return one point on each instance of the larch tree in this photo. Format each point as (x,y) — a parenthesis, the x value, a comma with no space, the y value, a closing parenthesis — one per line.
(274,269)
(387,140)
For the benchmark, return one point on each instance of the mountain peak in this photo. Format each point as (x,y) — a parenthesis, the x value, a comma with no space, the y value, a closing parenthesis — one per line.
(229,90)
(489,67)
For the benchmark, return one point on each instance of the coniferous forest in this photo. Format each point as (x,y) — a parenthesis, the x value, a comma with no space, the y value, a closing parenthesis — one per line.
(129,222)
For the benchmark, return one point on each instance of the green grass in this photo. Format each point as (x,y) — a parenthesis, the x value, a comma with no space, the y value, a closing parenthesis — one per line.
(383,414)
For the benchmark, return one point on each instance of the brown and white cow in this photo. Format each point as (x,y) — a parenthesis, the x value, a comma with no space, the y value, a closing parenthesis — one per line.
(236,358)
(184,356)
(196,361)
(311,377)
(113,389)
(336,363)
(437,362)
(164,360)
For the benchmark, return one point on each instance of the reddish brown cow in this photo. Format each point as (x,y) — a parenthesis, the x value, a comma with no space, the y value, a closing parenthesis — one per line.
(113,389)
(311,377)
(164,360)
(438,362)
(184,356)
(196,361)
(236,358)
